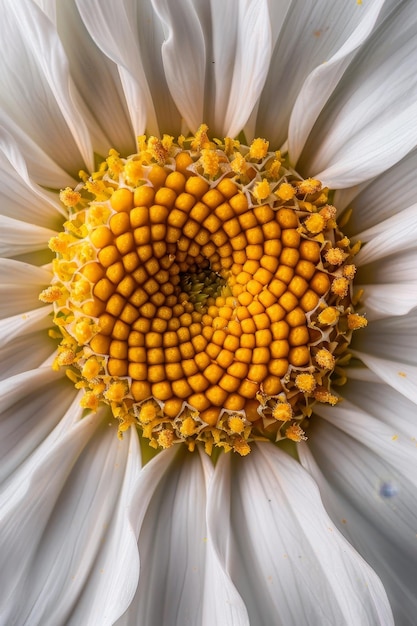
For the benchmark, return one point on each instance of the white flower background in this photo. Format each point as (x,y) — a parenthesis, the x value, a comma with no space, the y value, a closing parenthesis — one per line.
(87,535)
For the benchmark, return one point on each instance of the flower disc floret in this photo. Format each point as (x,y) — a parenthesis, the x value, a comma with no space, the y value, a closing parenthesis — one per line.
(201,291)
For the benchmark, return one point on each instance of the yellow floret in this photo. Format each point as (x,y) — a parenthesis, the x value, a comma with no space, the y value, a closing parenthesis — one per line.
(202,293)
(262,190)
(69,197)
(258,149)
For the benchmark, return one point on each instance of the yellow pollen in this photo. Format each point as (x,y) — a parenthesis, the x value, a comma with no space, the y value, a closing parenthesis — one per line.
(285,191)
(356,321)
(236,424)
(335,256)
(166,438)
(91,368)
(66,357)
(328,212)
(116,392)
(210,162)
(133,172)
(309,186)
(295,433)
(201,139)
(188,427)
(325,359)
(274,167)
(60,243)
(328,316)
(51,294)
(282,411)
(305,382)
(147,413)
(322,395)
(99,189)
(114,162)
(202,291)
(69,197)
(315,223)
(90,401)
(258,149)
(157,150)
(349,271)
(242,447)
(340,286)
(238,164)
(84,331)
(262,190)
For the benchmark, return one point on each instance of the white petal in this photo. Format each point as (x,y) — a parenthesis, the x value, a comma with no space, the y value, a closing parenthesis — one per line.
(22,198)
(25,353)
(322,81)
(401,376)
(395,234)
(73,530)
(97,79)
(171,497)
(305,39)
(112,581)
(374,469)
(396,569)
(398,268)
(151,37)
(393,338)
(241,61)
(293,565)
(48,7)
(112,27)
(21,286)
(387,300)
(385,440)
(184,57)
(369,124)
(31,404)
(44,101)
(18,237)
(383,402)
(358,371)
(25,323)
(222,601)
(26,505)
(396,187)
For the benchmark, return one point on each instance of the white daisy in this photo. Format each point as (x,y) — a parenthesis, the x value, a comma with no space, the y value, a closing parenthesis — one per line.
(308,514)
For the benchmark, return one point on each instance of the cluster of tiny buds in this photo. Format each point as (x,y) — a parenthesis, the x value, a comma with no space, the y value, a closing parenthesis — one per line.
(202,290)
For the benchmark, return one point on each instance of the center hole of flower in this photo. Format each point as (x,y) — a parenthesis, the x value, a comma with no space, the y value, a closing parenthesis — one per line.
(200,284)
(203,291)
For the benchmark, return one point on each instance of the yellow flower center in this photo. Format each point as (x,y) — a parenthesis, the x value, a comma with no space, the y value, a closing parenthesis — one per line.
(202,290)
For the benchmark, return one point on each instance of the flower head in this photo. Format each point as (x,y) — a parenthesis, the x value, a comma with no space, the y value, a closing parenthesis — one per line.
(209,311)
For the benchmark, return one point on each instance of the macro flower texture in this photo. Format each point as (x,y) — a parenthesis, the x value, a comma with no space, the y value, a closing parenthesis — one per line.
(208,313)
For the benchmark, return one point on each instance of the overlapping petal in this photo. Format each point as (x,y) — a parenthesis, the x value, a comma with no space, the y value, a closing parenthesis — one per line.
(322,81)
(87,536)
(22,196)
(168,512)
(372,502)
(21,286)
(302,48)
(95,75)
(113,27)
(60,124)
(80,487)
(368,125)
(287,559)
(240,61)
(29,402)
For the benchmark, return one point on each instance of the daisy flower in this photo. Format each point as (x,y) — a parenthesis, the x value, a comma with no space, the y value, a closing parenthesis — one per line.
(209,312)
